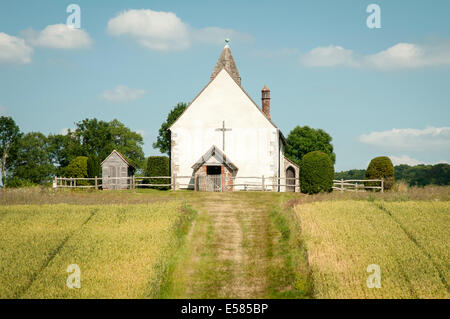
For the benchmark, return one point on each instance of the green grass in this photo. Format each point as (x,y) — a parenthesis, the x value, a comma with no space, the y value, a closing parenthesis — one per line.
(123,251)
(288,273)
(408,240)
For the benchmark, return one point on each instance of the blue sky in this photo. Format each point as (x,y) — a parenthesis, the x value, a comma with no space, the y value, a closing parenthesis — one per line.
(376,91)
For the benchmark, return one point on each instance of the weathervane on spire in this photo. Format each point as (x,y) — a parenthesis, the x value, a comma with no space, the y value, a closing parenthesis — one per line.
(227,41)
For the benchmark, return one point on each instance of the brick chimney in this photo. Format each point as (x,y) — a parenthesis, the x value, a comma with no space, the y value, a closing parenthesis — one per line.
(265,97)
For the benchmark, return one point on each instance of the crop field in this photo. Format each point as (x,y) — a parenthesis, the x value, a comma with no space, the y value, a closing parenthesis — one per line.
(123,251)
(163,244)
(409,241)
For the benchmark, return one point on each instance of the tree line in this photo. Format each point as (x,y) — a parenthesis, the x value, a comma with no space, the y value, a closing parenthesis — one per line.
(419,175)
(34,158)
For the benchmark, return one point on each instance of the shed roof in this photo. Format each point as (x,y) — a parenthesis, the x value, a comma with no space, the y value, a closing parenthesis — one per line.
(120,155)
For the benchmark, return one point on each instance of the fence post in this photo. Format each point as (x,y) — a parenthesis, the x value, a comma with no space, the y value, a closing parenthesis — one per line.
(96,183)
(134,182)
(342,185)
(173,182)
(382,185)
(262,183)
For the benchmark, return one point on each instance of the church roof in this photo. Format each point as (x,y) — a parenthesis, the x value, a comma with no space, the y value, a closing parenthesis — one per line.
(218,154)
(226,62)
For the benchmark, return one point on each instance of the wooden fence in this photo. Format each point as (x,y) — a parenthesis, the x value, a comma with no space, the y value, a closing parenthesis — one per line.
(72,182)
(241,183)
(220,184)
(355,185)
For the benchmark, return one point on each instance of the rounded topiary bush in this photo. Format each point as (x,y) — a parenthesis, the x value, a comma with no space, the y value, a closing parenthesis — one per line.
(381,168)
(316,173)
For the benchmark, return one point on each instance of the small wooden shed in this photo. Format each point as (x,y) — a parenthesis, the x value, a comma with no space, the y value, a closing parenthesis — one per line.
(116,171)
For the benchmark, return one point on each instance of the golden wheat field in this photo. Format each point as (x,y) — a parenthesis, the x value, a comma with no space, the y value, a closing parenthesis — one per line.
(409,241)
(117,254)
(137,244)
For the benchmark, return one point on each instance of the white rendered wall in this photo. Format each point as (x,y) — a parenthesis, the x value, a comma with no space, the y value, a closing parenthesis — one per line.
(252,144)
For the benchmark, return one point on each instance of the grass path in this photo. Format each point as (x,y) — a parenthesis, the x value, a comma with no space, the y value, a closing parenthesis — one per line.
(230,250)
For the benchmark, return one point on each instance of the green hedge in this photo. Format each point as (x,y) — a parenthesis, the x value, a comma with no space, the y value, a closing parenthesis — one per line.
(316,173)
(381,168)
(158,166)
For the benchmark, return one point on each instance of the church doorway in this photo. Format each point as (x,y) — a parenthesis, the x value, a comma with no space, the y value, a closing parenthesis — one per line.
(214,172)
(213,178)
(290,179)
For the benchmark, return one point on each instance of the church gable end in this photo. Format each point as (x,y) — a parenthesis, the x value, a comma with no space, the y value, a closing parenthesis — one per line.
(221,97)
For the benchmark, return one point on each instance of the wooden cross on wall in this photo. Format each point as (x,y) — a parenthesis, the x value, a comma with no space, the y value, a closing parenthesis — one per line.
(223,130)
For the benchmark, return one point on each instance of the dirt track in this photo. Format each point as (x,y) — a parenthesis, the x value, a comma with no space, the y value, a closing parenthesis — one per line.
(226,249)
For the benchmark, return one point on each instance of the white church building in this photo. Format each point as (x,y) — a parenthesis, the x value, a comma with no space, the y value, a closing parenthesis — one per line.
(224,141)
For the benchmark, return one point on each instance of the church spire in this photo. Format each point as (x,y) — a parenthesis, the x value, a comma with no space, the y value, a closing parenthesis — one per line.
(226,62)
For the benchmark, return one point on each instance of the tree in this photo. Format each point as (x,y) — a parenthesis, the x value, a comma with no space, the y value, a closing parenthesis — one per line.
(32,161)
(381,168)
(158,166)
(93,166)
(419,175)
(303,140)
(351,174)
(77,167)
(316,173)
(127,142)
(9,133)
(100,138)
(63,149)
(163,140)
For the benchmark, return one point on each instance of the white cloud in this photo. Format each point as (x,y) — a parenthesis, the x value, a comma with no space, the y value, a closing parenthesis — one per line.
(58,36)
(404,159)
(431,138)
(164,31)
(328,57)
(143,133)
(121,93)
(153,30)
(399,56)
(14,50)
